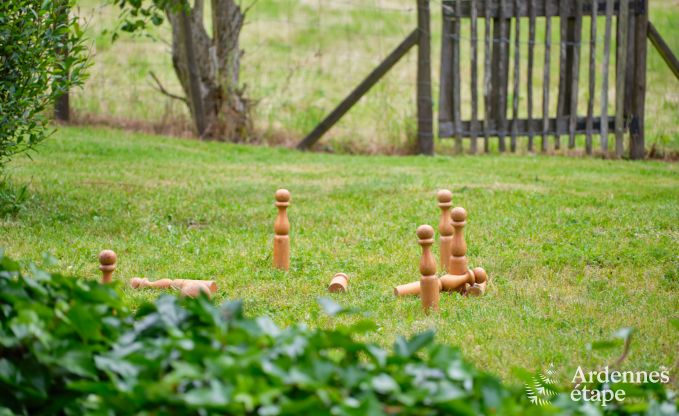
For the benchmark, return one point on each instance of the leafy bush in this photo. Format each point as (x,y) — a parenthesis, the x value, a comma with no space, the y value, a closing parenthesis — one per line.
(41,55)
(70,346)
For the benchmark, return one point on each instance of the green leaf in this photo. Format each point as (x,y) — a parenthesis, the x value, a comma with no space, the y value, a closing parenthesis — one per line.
(85,321)
(330,307)
(215,395)
(79,362)
(384,384)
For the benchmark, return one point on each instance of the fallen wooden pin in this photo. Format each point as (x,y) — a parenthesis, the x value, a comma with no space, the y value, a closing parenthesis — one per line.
(481,280)
(446,283)
(187,287)
(339,283)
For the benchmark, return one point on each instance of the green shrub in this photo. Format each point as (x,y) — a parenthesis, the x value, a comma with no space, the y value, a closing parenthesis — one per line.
(70,346)
(42,54)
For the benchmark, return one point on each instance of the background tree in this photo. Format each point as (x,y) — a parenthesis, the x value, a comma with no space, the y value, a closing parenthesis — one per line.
(207,66)
(35,35)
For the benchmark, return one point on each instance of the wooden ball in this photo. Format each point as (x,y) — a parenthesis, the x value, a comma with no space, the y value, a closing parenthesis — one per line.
(107,258)
(458,214)
(282,195)
(444,195)
(480,275)
(425,232)
(193,290)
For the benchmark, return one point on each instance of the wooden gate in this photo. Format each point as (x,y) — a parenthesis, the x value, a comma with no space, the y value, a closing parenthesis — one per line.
(558,116)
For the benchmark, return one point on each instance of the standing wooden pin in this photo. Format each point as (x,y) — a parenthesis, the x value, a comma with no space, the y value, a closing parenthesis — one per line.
(445,227)
(107,265)
(429,284)
(281,242)
(458,249)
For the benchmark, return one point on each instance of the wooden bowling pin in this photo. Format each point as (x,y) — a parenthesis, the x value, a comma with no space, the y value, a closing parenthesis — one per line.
(138,282)
(194,289)
(457,282)
(107,265)
(458,251)
(281,242)
(445,197)
(339,283)
(429,285)
(481,280)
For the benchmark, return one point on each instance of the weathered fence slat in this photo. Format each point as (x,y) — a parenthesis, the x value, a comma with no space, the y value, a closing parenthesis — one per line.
(353,97)
(531,52)
(545,84)
(517,76)
(573,112)
(503,69)
(604,81)
(636,129)
(474,80)
(425,128)
(486,77)
(620,77)
(456,78)
(563,55)
(445,76)
(592,78)
(663,49)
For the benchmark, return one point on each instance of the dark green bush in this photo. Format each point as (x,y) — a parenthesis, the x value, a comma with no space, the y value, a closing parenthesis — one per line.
(69,346)
(42,54)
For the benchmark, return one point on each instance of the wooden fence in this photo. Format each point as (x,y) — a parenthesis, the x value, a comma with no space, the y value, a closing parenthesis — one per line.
(501,48)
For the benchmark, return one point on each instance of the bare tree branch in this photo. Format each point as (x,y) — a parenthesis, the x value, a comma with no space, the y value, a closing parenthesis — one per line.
(162,89)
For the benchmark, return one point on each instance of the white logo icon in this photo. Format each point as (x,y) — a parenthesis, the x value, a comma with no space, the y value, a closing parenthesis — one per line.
(542,389)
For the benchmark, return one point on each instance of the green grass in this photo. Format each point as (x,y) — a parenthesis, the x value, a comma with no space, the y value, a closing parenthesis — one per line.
(575,248)
(302,57)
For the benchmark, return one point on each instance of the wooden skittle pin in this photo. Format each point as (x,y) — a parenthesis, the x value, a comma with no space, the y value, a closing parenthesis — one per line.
(339,283)
(429,285)
(107,265)
(457,282)
(458,250)
(412,288)
(281,242)
(445,197)
(192,290)
(481,279)
(137,282)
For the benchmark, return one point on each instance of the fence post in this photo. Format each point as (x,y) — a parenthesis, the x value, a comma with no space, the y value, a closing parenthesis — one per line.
(637,146)
(425,135)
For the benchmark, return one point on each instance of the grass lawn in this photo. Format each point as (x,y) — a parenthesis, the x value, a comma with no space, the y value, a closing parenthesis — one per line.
(575,248)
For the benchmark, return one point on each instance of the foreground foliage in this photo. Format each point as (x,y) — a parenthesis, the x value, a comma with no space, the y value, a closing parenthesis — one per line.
(70,346)
(42,54)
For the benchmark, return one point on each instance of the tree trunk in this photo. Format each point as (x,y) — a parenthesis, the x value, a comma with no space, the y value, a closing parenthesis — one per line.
(208,68)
